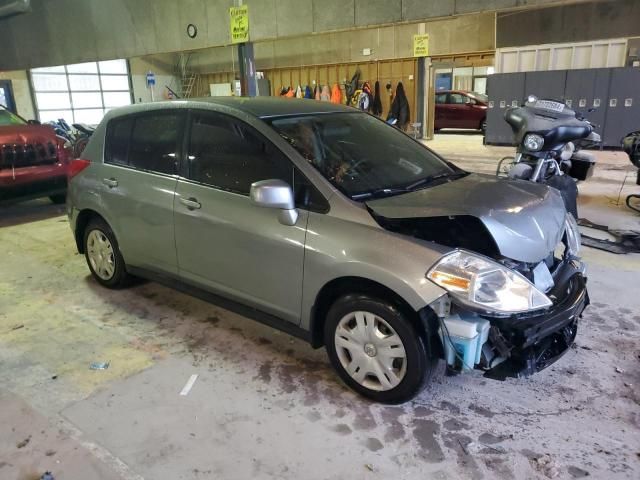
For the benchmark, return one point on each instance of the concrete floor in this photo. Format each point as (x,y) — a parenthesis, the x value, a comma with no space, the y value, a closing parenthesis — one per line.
(267,406)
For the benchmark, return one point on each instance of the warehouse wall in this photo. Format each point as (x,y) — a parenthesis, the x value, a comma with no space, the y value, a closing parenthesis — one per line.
(467,33)
(71,31)
(164,68)
(21,92)
(572,23)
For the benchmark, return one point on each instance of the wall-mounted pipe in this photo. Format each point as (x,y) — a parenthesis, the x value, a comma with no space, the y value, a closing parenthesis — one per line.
(14,7)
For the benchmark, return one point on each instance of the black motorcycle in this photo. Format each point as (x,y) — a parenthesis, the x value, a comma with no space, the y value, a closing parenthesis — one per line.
(631,146)
(549,137)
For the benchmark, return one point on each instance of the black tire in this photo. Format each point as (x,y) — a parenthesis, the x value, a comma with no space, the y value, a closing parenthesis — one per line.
(483,126)
(58,199)
(119,278)
(419,363)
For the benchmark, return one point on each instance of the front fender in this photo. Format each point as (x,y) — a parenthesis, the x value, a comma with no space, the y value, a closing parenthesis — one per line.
(337,248)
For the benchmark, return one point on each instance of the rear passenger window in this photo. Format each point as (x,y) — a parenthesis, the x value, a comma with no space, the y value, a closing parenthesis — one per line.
(228,154)
(148,142)
(154,142)
(441,98)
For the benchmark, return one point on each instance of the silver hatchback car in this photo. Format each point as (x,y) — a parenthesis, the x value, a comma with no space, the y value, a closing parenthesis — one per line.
(327,223)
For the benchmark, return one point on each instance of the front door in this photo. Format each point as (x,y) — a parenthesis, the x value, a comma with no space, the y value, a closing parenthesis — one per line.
(137,184)
(225,243)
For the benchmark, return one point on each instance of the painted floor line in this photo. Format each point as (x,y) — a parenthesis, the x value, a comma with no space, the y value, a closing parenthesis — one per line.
(98,451)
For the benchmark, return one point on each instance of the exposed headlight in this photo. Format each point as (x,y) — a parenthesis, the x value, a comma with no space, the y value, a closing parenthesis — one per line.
(487,285)
(533,142)
(572,232)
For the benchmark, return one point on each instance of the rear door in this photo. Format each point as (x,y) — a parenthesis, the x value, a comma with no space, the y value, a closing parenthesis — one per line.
(458,111)
(441,110)
(225,243)
(137,185)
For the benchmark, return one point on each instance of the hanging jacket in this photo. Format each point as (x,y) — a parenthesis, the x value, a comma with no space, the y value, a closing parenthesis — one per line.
(290,93)
(400,108)
(308,93)
(316,92)
(376,107)
(299,93)
(336,94)
(366,97)
(325,95)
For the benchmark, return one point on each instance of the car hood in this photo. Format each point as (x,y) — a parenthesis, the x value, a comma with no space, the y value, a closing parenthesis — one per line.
(525,219)
(26,134)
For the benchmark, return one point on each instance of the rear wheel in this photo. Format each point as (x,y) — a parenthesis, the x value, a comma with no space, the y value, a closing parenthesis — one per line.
(376,350)
(483,126)
(103,256)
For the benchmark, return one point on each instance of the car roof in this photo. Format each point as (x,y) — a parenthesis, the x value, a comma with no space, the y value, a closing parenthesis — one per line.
(262,107)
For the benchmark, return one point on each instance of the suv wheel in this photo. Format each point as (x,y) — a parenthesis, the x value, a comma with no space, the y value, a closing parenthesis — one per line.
(103,256)
(483,126)
(376,350)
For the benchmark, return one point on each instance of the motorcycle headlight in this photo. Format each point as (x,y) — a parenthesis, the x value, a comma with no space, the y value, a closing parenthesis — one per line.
(572,232)
(481,283)
(533,142)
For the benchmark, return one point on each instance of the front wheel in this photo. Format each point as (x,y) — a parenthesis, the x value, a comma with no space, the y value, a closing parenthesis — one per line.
(376,350)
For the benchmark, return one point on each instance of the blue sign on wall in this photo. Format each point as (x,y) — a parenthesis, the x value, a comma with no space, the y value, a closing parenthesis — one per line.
(151,79)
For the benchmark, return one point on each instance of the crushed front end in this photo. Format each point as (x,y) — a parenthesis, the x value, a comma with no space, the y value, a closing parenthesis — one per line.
(472,335)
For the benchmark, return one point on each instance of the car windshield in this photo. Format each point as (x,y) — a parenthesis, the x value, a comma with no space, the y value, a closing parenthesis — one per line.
(361,155)
(8,118)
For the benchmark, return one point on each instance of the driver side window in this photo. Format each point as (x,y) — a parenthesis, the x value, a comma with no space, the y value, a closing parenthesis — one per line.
(228,154)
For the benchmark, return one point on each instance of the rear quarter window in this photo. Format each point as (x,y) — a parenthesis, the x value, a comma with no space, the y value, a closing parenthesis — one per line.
(145,142)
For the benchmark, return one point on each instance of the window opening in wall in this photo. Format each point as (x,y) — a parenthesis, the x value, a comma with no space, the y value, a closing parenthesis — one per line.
(82,92)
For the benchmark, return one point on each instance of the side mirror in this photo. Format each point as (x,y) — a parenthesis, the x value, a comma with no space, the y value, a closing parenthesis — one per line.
(275,194)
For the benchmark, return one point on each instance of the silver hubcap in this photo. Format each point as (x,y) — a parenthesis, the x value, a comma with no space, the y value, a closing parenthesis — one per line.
(100,254)
(370,351)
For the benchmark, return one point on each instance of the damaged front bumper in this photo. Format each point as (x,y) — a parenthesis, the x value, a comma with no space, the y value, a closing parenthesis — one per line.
(521,344)
(530,344)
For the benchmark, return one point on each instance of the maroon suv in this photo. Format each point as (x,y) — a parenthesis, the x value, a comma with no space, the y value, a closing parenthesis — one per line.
(461,109)
(33,160)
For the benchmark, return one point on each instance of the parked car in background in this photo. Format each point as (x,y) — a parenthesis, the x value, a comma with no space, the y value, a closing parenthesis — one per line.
(33,160)
(330,224)
(461,109)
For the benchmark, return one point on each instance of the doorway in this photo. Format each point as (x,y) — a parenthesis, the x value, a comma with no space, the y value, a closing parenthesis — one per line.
(6,96)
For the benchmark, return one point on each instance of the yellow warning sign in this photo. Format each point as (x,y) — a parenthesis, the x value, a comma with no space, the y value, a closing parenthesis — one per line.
(239,24)
(421,45)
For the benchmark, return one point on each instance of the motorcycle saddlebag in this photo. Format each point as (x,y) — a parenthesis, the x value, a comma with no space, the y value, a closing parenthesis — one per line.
(582,165)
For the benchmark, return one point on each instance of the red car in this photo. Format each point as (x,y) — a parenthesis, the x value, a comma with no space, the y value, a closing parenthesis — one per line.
(33,160)
(461,109)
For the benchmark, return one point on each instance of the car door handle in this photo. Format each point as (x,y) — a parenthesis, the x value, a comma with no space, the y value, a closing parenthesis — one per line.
(110,182)
(190,203)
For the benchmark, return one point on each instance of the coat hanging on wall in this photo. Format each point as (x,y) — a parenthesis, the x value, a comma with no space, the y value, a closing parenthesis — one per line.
(325,95)
(399,108)
(308,93)
(376,107)
(336,94)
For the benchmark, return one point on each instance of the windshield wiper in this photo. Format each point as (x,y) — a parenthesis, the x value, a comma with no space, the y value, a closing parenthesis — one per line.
(381,192)
(384,192)
(432,178)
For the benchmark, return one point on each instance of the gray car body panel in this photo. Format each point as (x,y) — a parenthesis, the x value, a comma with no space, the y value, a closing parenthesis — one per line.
(321,247)
(525,219)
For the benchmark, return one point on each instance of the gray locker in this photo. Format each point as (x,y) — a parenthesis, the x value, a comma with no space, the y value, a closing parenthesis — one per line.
(623,110)
(589,89)
(549,85)
(504,90)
